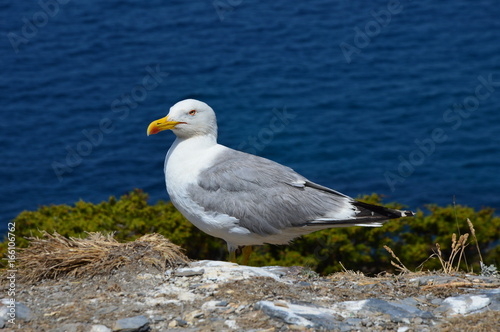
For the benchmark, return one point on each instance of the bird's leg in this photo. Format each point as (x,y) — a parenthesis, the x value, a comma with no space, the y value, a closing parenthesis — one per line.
(247,251)
(232,256)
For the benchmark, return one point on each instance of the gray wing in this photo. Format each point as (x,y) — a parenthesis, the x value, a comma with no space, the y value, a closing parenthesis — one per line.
(265,196)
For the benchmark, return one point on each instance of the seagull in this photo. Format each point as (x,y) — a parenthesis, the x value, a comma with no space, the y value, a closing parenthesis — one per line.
(244,199)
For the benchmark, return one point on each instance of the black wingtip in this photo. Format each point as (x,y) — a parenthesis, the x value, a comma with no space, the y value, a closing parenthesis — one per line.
(369,209)
(407,213)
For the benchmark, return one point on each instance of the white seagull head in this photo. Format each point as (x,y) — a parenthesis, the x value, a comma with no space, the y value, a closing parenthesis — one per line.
(187,118)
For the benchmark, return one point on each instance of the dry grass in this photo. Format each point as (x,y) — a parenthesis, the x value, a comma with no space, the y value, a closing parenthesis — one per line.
(483,322)
(457,248)
(400,266)
(54,255)
(450,264)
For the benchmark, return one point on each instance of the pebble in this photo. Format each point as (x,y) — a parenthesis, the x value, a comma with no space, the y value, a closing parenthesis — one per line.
(100,328)
(189,272)
(181,322)
(231,323)
(418,320)
(214,305)
(190,317)
(132,324)
(21,311)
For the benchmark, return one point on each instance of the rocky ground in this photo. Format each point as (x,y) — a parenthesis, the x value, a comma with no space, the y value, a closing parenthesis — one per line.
(221,296)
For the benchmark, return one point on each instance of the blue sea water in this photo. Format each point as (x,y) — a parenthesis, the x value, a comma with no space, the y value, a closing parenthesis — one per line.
(401,98)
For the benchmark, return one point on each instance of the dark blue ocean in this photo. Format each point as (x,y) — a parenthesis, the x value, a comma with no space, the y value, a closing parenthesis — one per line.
(401,98)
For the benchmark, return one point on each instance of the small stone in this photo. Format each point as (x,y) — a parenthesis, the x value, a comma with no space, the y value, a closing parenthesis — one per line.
(222,303)
(100,328)
(436,301)
(231,324)
(418,320)
(240,308)
(22,312)
(132,324)
(181,322)
(189,272)
(157,318)
(190,317)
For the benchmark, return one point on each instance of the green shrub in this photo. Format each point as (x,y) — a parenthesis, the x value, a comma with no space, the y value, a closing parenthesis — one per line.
(358,248)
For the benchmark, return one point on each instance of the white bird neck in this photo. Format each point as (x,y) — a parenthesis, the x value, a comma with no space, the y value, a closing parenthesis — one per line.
(187,157)
(186,150)
(199,142)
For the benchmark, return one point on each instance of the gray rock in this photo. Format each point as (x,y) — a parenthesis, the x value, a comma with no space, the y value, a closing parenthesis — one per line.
(222,303)
(284,313)
(418,320)
(409,301)
(303,315)
(278,270)
(189,272)
(470,303)
(322,320)
(132,324)
(214,305)
(345,327)
(181,322)
(410,307)
(225,271)
(437,301)
(400,312)
(17,311)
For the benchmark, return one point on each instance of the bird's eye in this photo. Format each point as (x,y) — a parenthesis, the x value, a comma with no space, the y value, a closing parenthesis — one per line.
(192,112)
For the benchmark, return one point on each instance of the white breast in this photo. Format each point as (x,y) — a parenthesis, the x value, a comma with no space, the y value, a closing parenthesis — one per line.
(184,162)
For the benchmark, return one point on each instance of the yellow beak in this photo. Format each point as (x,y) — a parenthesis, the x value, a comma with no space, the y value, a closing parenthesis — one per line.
(160,125)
